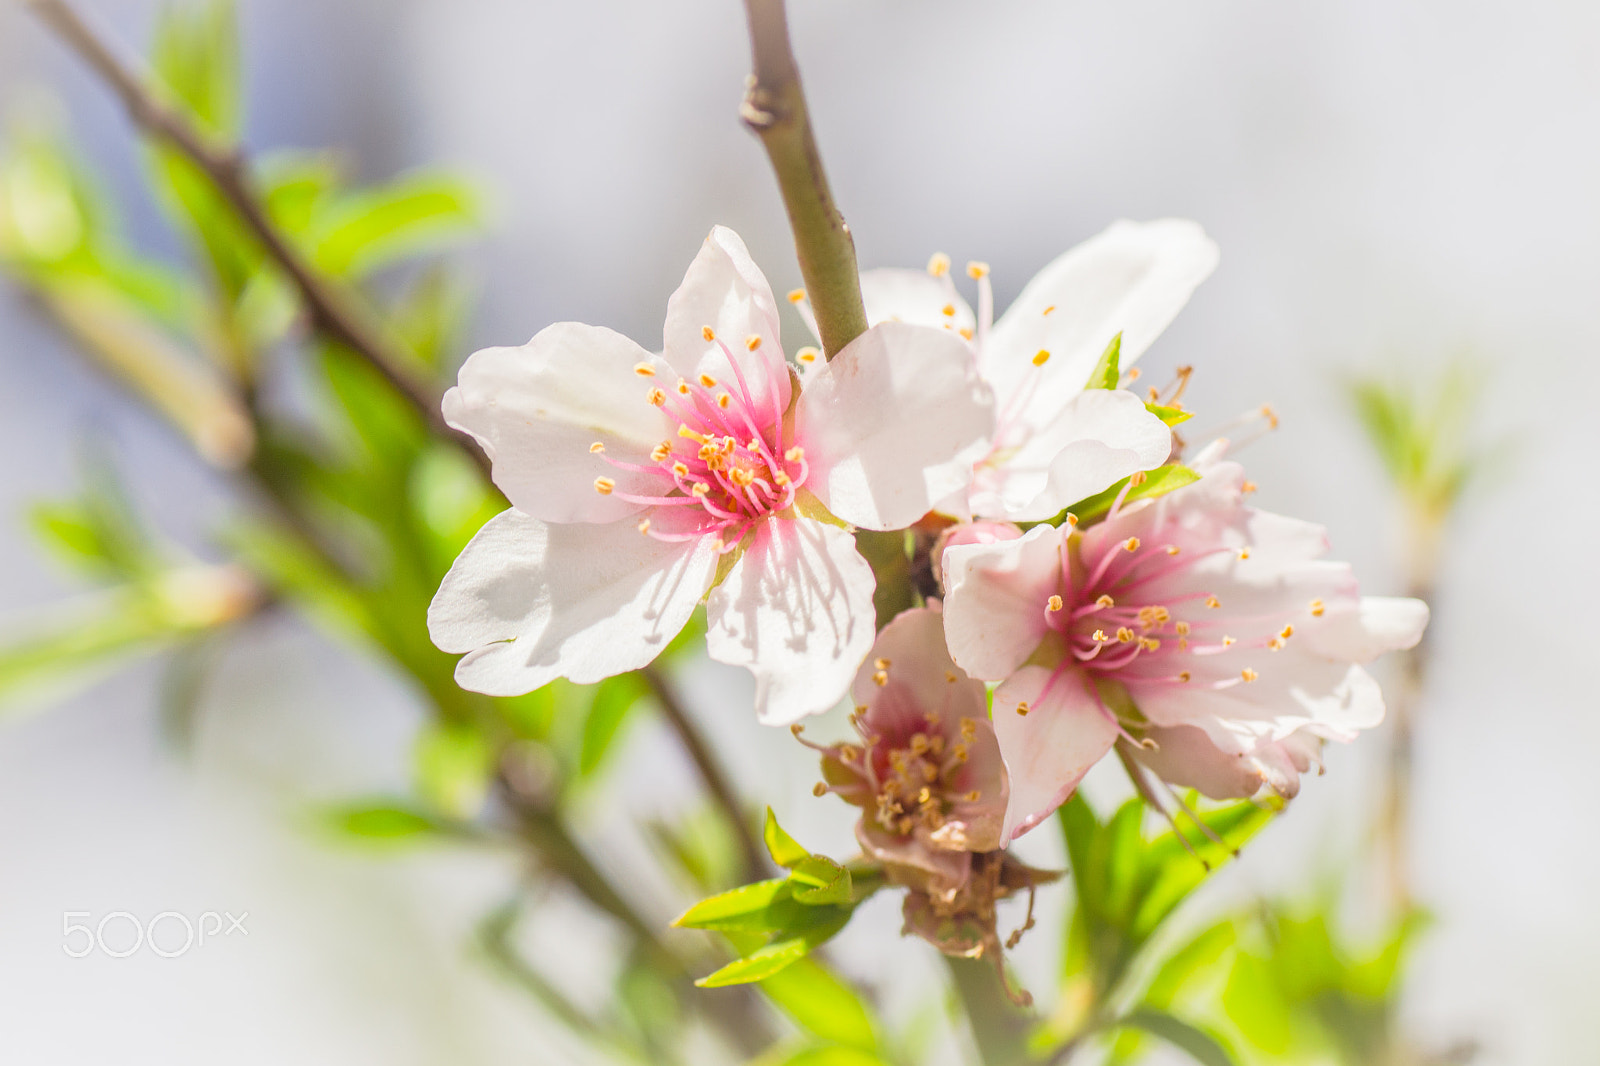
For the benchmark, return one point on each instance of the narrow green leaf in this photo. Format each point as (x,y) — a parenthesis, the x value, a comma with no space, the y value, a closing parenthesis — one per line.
(818,879)
(758,965)
(1255,1003)
(1157,482)
(1200,1045)
(365,230)
(734,905)
(783,848)
(1187,962)
(613,699)
(381,822)
(822,1004)
(454,763)
(1106,374)
(1170,415)
(833,1056)
(196,59)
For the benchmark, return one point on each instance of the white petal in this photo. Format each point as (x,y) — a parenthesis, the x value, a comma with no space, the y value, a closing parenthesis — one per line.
(1048,750)
(796,611)
(1185,756)
(536,409)
(897,295)
(1134,279)
(1360,632)
(1099,438)
(531,601)
(995,598)
(724,290)
(885,424)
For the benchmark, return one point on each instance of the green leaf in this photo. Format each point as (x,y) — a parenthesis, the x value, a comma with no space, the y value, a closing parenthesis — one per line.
(372,228)
(818,880)
(196,59)
(833,1056)
(1157,482)
(1172,416)
(454,763)
(1187,962)
(384,822)
(823,1005)
(65,649)
(613,699)
(742,909)
(1200,1045)
(1106,374)
(1255,1003)
(759,964)
(783,848)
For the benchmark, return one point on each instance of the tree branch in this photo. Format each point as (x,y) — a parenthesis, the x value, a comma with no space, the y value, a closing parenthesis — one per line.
(753,855)
(333,312)
(775,109)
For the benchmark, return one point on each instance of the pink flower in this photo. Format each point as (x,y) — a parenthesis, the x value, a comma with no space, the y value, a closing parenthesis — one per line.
(1056,442)
(927,771)
(637,479)
(1214,630)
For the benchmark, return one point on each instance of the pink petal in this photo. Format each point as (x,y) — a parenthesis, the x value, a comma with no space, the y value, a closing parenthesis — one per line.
(1048,750)
(995,597)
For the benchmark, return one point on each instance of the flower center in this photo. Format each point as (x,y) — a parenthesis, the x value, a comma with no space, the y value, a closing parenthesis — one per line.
(917,782)
(729,462)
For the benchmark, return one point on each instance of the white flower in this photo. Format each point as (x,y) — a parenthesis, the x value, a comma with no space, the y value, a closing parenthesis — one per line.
(1056,443)
(1237,644)
(635,479)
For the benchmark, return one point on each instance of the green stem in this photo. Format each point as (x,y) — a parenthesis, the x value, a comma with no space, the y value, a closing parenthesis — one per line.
(775,108)
(999,1027)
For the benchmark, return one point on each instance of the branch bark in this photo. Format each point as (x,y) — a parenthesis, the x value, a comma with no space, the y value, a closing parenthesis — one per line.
(333,311)
(775,109)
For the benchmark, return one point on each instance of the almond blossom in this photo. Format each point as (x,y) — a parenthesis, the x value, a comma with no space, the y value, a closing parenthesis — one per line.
(637,481)
(1212,636)
(1056,442)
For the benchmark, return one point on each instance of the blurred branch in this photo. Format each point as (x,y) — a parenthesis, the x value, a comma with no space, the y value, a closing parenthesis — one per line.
(753,854)
(333,312)
(775,109)
(999,1027)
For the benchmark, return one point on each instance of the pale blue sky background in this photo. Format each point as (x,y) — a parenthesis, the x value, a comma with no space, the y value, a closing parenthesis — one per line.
(1390,182)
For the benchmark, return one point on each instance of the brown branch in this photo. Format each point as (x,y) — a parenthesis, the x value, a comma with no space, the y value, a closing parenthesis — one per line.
(775,108)
(752,854)
(333,312)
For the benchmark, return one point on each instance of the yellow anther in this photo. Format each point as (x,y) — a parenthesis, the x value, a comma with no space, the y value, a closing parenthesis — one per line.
(1137,478)
(966,334)
(807,355)
(919,743)
(796,295)
(604,485)
(1100,636)
(938,264)
(819,789)
(1316,608)
(723,400)
(1244,553)
(1047,310)
(1184,675)
(781,479)
(1248,486)
(1183,643)
(596,448)
(708,333)
(1152,394)
(700,489)
(644,525)
(680,469)
(693,434)
(1248,674)
(1213,602)
(977,269)
(1172,549)
(795,454)
(683,387)
(752,342)
(1182,628)
(1023,708)
(1228,642)
(740,477)
(1053,604)
(1072,519)
(1270,415)
(1288,631)
(1041,357)
(644,370)
(973,797)
(1276,643)
(1124,634)
(880,678)
(656,397)
(1149,643)
(948,310)
(1132,544)
(950,676)
(1105,601)
(1133,375)
(708,381)
(881,664)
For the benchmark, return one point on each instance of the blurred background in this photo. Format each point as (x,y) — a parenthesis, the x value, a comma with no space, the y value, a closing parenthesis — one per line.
(1393,185)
